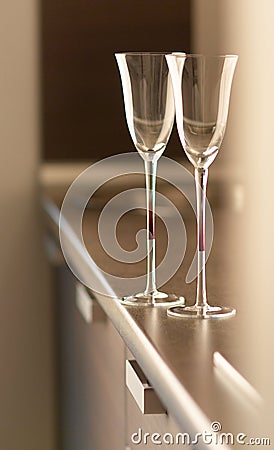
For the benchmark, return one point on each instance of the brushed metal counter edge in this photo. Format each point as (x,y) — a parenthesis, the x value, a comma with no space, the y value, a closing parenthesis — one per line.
(171,391)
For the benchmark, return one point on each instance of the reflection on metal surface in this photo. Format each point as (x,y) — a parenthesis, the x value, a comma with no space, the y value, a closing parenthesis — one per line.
(243,387)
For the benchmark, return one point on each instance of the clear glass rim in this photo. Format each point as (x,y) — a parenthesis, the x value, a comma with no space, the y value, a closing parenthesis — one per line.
(201,55)
(179,55)
(142,53)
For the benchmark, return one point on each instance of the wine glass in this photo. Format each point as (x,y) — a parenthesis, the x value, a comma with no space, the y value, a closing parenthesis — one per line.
(150,112)
(202,86)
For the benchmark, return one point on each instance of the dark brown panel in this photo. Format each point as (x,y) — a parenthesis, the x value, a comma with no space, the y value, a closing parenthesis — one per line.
(83,116)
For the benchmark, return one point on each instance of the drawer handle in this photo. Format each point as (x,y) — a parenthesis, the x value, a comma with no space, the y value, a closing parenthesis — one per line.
(87,306)
(53,251)
(144,394)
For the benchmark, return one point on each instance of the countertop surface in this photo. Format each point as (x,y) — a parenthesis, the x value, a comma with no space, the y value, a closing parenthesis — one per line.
(176,354)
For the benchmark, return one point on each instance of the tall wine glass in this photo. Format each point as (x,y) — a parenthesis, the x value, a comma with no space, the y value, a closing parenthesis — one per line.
(150,112)
(202,86)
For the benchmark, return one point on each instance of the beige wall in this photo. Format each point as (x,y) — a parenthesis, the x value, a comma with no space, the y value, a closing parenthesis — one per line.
(26,382)
(246,27)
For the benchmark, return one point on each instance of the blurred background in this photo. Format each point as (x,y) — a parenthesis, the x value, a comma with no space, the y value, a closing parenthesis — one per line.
(81,92)
(60,100)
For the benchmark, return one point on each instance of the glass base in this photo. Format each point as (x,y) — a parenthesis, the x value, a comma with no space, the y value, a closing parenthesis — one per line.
(205,312)
(155,299)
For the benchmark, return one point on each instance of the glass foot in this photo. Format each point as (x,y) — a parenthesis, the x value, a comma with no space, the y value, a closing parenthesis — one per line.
(206,312)
(155,299)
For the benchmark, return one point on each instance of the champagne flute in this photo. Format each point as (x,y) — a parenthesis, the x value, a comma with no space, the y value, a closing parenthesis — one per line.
(150,112)
(202,86)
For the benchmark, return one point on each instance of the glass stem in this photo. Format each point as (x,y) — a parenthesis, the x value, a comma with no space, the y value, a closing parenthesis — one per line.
(150,171)
(201,176)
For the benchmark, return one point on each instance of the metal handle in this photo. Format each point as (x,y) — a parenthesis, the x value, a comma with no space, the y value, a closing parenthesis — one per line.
(144,394)
(53,251)
(87,306)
